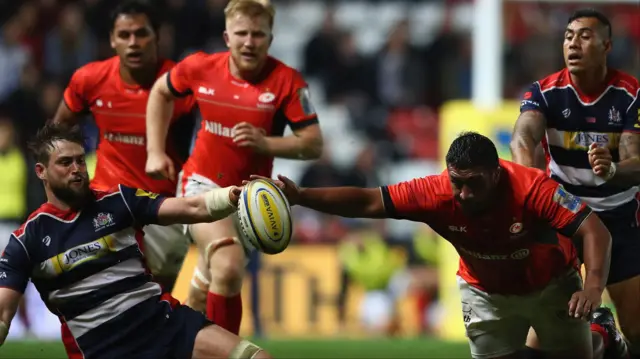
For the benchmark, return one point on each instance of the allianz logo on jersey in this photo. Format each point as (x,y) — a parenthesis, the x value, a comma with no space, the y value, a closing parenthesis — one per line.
(122,138)
(582,140)
(218,129)
(516,255)
(71,258)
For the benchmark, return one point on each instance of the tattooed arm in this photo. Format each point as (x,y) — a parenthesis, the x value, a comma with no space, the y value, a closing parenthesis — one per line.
(530,129)
(525,141)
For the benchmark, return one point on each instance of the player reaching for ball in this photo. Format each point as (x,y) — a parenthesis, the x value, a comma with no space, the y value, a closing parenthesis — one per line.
(115,91)
(246,99)
(514,229)
(586,117)
(81,250)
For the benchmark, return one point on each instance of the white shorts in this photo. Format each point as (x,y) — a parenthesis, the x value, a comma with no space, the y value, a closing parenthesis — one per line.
(165,248)
(497,325)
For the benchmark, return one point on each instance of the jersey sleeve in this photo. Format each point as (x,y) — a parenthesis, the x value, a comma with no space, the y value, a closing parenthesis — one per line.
(297,106)
(143,205)
(185,107)
(180,77)
(533,100)
(632,117)
(553,204)
(15,266)
(74,94)
(408,200)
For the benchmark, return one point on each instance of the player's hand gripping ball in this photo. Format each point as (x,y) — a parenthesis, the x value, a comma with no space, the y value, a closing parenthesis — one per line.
(263,219)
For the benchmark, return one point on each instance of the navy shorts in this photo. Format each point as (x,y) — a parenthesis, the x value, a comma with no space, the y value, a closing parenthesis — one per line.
(176,338)
(625,234)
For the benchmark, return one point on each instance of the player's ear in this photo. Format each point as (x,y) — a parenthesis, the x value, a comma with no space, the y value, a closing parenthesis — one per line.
(41,171)
(225,36)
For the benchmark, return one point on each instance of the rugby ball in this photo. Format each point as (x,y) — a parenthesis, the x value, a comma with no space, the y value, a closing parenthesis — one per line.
(263,218)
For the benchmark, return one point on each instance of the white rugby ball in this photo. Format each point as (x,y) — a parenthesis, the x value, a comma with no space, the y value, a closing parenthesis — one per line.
(263,218)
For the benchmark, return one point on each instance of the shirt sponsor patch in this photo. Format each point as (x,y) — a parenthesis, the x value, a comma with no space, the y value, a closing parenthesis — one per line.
(305,101)
(567,200)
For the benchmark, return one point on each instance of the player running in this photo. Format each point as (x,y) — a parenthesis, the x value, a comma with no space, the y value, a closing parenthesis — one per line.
(586,117)
(115,91)
(511,226)
(246,99)
(81,250)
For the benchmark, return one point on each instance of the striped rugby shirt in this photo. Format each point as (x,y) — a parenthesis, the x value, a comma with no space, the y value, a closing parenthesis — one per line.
(574,122)
(89,271)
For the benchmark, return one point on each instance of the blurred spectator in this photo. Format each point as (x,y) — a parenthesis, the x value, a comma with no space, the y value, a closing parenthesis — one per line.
(346,79)
(320,53)
(14,56)
(400,70)
(69,45)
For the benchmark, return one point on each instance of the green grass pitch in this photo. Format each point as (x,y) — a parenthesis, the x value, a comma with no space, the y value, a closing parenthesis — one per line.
(298,349)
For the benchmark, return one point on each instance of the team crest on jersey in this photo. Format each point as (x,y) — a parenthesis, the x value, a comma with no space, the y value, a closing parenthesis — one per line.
(614,116)
(266,97)
(103,220)
(566,200)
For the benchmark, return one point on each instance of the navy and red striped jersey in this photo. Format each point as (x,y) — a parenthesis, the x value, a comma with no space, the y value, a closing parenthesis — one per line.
(89,269)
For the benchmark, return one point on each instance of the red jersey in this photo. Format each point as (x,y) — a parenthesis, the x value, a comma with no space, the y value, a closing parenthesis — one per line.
(518,247)
(280,98)
(119,111)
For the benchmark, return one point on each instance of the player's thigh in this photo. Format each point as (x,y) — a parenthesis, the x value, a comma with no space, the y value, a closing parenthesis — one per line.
(624,296)
(165,248)
(559,334)
(205,233)
(493,327)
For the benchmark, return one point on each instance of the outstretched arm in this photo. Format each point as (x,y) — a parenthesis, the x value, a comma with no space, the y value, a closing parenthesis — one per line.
(404,200)
(350,202)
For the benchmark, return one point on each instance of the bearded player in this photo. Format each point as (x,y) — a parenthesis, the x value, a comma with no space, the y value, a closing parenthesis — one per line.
(586,117)
(115,91)
(81,250)
(246,98)
(513,228)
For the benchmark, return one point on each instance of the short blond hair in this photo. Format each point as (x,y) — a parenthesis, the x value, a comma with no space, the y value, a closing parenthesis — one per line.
(251,8)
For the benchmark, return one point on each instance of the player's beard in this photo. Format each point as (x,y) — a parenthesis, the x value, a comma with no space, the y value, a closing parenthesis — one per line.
(73,195)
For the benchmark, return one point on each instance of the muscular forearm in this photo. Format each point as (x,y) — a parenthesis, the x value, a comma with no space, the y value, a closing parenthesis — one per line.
(159,110)
(207,207)
(523,150)
(344,201)
(597,258)
(294,147)
(627,173)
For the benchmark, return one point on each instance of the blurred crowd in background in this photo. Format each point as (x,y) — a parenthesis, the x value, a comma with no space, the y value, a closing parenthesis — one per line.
(378,71)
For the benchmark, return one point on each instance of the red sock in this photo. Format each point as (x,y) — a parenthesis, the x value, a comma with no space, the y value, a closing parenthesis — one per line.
(225,311)
(600,330)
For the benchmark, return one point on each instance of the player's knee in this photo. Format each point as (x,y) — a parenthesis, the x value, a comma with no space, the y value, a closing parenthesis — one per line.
(226,272)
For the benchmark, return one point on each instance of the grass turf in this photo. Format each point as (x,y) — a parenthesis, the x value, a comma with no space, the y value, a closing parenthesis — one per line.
(347,349)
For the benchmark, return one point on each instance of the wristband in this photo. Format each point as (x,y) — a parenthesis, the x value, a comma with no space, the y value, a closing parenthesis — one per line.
(218,203)
(612,171)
